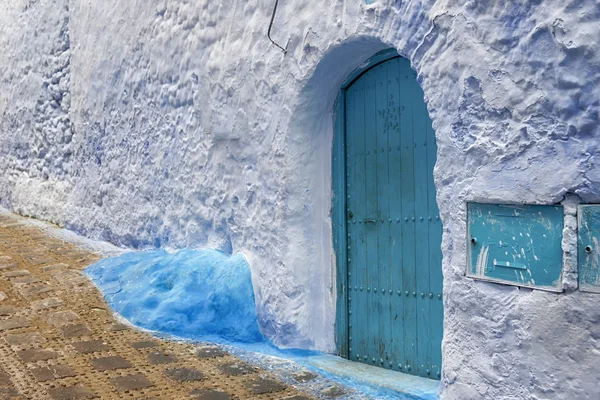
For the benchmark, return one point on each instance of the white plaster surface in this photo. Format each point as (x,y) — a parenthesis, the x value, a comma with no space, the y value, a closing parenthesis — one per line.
(176,123)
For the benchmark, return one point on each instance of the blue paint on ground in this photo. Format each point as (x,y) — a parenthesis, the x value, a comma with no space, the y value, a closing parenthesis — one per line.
(192,294)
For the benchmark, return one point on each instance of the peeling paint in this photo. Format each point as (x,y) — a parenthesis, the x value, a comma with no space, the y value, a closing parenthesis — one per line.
(531,270)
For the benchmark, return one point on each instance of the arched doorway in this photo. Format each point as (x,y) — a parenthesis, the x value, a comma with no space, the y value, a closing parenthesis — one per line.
(386,226)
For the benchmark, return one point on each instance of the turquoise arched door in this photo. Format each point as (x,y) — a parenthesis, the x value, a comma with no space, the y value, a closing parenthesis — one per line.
(391,281)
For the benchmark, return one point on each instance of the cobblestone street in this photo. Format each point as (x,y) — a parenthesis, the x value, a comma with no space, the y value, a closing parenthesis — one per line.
(58,339)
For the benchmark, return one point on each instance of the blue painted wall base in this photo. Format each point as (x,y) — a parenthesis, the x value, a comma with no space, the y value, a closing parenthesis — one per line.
(193,294)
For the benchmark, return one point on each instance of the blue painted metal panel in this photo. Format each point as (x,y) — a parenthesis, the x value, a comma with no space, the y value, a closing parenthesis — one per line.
(395,314)
(518,245)
(589,248)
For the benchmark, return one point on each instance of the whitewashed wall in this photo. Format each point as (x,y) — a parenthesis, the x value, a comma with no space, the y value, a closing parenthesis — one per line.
(176,123)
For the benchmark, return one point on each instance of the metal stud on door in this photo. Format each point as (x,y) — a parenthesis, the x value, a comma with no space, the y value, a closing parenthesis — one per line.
(394,297)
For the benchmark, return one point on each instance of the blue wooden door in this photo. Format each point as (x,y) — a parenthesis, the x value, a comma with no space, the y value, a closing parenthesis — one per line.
(395,315)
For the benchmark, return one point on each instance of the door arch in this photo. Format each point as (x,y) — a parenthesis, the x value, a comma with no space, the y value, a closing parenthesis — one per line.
(386,225)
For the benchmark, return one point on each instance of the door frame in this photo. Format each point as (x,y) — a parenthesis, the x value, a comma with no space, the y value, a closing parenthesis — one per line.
(338,198)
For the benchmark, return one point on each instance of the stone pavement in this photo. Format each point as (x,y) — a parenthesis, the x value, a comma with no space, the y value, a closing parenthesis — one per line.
(58,339)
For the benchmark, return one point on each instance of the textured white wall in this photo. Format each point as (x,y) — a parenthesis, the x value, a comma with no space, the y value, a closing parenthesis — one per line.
(176,123)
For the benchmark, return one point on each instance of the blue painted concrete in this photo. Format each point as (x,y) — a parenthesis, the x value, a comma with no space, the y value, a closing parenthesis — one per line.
(389,384)
(193,294)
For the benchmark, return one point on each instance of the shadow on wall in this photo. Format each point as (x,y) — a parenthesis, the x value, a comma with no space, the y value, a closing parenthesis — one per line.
(311,129)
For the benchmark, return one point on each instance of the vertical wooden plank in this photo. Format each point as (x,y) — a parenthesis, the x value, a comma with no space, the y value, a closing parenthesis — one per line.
(421,229)
(351,249)
(383,218)
(360,334)
(397,299)
(338,183)
(435,262)
(408,210)
(371,216)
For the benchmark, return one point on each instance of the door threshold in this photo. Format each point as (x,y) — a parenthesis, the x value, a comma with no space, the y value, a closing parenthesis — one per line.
(407,386)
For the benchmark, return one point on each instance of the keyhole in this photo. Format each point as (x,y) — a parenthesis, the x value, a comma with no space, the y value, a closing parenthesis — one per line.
(588,249)
(350,215)
(474,241)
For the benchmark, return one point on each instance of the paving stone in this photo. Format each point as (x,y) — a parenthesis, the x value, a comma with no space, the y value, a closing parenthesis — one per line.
(79,281)
(91,346)
(33,355)
(261,386)
(23,249)
(54,267)
(52,372)
(54,246)
(118,327)
(5,379)
(2,296)
(184,374)
(65,273)
(64,250)
(298,397)
(15,274)
(24,280)
(304,376)
(71,393)
(44,304)
(35,289)
(7,310)
(5,258)
(42,260)
(99,310)
(77,330)
(210,352)
(145,344)
(63,318)
(110,363)
(206,394)
(14,323)
(156,358)
(131,382)
(333,392)
(11,225)
(75,255)
(10,393)
(236,368)
(29,338)
(7,266)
